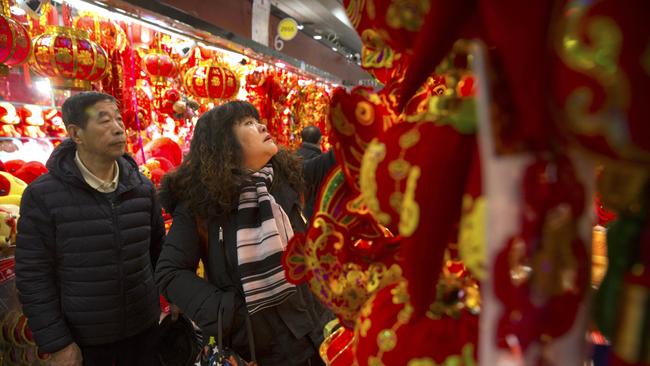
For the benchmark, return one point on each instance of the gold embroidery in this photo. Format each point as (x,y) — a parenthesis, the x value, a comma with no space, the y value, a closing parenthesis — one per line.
(409,139)
(341,123)
(599,60)
(421,362)
(407,14)
(85,58)
(386,340)
(100,61)
(63,56)
(375,154)
(375,53)
(375,361)
(395,201)
(354,11)
(399,169)
(410,214)
(471,237)
(364,327)
(216,81)
(364,113)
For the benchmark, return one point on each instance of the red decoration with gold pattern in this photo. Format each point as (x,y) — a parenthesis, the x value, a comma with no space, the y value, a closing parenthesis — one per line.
(602,77)
(356,118)
(143,113)
(104,31)
(211,80)
(15,43)
(388,332)
(400,177)
(68,58)
(159,66)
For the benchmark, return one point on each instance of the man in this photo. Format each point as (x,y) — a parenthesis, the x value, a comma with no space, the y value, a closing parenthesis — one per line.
(90,233)
(310,147)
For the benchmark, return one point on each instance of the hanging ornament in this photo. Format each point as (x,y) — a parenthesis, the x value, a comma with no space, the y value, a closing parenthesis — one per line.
(159,66)
(211,80)
(69,58)
(139,118)
(104,31)
(15,43)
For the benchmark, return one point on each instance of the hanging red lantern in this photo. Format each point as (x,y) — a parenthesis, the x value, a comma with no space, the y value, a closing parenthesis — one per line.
(15,44)
(211,80)
(69,58)
(104,31)
(159,66)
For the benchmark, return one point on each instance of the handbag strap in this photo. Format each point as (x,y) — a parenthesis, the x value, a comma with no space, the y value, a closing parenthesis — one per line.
(202,229)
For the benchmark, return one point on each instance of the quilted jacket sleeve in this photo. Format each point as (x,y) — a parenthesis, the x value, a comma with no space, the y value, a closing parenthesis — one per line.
(36,274)
(178,282)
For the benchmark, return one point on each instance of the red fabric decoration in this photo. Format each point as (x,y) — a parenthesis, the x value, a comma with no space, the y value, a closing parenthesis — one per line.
(383,334)
(12,166)
(30,171)
(164,147)
(356,118)
(617,84)
(518,34)
(406,179)
(541,273)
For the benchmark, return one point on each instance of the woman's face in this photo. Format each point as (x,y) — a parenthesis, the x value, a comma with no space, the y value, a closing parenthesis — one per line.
(257,145)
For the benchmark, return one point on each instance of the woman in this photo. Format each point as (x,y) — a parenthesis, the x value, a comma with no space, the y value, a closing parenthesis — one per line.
(245,192)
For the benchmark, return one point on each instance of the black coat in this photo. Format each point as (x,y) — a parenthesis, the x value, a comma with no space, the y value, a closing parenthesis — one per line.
(308,150)
(284,335)
(84,259)
(313,183)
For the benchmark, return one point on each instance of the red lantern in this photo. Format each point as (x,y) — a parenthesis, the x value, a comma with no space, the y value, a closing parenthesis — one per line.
(68,58)
(15,44)
(104,31)
(159,66)
(212,81)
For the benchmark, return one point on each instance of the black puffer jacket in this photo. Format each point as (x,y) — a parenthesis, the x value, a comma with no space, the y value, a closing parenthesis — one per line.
(84,262)
(287,334)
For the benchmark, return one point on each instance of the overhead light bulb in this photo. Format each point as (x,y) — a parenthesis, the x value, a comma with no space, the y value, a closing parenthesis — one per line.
(334,49)
(318,37)
(301,27)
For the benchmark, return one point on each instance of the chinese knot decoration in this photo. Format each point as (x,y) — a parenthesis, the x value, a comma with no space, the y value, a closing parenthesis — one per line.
(15,45)
(211,80)
(69,58)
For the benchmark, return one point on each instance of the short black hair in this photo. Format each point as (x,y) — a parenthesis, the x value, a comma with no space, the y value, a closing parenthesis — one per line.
(310,134)
(74,108)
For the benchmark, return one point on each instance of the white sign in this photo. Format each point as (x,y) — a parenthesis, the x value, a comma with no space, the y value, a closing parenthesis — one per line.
(260,21)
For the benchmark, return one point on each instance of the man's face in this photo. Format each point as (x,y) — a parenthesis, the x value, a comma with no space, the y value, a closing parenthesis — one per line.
(103,135)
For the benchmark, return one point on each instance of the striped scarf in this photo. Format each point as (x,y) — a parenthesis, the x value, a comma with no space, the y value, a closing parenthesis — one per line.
(263,230)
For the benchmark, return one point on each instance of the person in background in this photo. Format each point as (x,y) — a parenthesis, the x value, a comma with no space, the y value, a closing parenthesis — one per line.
(235,200)
(89,235)
(310,147)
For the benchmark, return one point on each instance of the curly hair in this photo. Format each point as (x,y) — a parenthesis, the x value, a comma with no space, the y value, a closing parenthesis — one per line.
(210,177)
